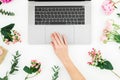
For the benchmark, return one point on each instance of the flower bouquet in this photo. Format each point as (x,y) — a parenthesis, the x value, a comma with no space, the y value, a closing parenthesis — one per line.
(33,70)
(9,35)
(111,32)
(99,62)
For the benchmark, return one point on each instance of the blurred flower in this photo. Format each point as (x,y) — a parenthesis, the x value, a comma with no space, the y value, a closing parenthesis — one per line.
(108,6)
(5,1)
(110,32)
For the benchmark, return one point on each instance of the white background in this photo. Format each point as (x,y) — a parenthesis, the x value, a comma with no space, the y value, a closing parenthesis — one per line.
(45,54)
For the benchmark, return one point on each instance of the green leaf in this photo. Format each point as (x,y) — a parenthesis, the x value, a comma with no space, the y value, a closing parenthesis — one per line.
(1,79)
(35,69)
(107,65)
(117,38)
(9,27)
(6,31)
(27,70)
(115,7)
(118,14)
(100,65)
(0,2)
(5,78)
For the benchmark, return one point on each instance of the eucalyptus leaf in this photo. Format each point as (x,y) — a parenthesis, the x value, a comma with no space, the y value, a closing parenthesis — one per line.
(5,78)
(9,27)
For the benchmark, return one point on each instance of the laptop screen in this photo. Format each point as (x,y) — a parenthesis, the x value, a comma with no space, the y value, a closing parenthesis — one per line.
(59,0)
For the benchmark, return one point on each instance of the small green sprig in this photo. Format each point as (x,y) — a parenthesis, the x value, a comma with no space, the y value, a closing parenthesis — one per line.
(8,13)
(118,14)
(14,63)
(56,72)
(14,66)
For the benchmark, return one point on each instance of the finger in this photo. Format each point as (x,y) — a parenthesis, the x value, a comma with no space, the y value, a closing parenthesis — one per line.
(65,40)
(53,40)
(52,44)
(56,38)
(60,38)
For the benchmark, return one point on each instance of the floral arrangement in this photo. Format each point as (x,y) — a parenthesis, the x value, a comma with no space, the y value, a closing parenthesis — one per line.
(108,6)
(33,70)
(111,32)
(9,35)
(99,62)
(56,72)
(14,66)
(4,12)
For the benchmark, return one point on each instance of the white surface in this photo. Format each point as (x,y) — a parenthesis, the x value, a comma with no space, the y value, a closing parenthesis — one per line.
(45,54)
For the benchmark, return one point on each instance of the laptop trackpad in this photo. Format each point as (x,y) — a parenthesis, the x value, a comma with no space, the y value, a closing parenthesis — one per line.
(68,31)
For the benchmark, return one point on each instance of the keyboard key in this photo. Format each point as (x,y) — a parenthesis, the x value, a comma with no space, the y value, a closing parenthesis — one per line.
(59,15)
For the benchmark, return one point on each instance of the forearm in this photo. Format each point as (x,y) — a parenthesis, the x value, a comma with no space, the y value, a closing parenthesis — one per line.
(72,70)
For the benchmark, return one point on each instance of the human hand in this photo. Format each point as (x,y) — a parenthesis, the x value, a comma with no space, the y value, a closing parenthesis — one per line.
(60,45)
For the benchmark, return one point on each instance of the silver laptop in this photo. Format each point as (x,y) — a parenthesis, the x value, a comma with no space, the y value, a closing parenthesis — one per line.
(71,18)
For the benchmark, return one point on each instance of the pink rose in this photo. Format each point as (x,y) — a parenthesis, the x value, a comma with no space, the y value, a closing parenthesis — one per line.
(108,7)
(5,1)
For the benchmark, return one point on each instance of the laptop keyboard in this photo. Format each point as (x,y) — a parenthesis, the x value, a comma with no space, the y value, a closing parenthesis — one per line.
(59,15)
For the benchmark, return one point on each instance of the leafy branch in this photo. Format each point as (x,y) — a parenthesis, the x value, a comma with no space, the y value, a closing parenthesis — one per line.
(8,13)
(14,66)
(14,63)
(56,72)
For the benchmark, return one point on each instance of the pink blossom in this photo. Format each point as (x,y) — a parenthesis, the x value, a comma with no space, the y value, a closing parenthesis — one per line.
(109,24)
(103,38)
(39,70)
(90,63)
(5,1)
(108,7)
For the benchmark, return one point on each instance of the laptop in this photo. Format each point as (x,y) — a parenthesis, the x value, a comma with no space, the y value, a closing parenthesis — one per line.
(71,18)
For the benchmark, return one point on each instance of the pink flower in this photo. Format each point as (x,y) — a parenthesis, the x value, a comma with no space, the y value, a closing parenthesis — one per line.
(108,7)
(103,38)
(39,70)
(33,61)
(5,1)
(90,63)
(109,24)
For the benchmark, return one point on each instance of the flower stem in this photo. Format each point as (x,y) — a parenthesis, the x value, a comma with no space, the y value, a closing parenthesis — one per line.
(115,74)
(29,76)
